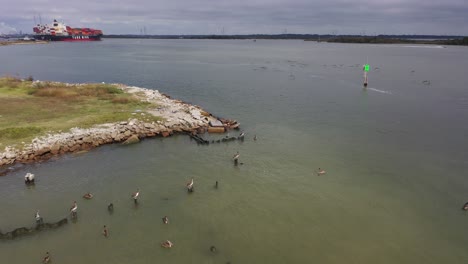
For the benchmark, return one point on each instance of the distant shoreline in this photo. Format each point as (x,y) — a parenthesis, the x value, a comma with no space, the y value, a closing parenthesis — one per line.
(378,39)
(381,39)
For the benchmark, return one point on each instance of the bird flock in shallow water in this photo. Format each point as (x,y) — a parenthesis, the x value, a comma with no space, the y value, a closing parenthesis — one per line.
(29,178)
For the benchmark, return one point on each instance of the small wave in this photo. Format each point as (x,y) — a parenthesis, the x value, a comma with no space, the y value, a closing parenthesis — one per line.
(427,47)
(379,91)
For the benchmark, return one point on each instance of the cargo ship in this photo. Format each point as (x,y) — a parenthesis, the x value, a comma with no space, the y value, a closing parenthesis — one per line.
(60,32)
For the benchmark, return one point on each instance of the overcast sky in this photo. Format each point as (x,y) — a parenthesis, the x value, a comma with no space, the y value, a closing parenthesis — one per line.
(439,17)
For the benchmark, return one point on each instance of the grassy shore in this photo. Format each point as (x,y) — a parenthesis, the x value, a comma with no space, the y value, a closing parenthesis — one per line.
(29,109)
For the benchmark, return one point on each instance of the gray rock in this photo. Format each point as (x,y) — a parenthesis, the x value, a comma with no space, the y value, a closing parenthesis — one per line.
(43,151)
(131,140)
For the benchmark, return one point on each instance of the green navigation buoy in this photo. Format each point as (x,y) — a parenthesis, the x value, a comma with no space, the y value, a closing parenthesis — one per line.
(366,69)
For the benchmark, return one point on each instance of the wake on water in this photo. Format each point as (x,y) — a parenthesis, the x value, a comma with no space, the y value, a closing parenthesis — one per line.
(379,91)
(426,47)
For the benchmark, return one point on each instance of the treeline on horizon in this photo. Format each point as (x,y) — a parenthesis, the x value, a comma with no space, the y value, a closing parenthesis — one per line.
(390,39)
(378,39)
(395,40)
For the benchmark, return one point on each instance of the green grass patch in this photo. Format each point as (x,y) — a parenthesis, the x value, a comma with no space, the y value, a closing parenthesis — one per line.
(19,132)
(29,109)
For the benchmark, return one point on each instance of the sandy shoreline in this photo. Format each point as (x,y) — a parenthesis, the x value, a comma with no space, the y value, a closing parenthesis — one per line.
(22,42)
(178,117)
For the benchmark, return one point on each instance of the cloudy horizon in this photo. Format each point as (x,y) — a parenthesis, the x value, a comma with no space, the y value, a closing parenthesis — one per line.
(202,17)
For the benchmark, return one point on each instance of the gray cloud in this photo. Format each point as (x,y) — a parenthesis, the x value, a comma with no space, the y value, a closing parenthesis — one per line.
(6,29)
(442,17)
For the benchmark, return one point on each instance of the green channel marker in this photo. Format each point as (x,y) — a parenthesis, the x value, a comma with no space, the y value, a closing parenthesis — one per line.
(366,67)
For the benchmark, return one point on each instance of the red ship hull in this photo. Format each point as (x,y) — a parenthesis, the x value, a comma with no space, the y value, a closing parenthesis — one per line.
(80,40)
(68,38)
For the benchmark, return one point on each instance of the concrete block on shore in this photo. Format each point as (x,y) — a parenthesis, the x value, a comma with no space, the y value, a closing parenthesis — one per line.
(216,123)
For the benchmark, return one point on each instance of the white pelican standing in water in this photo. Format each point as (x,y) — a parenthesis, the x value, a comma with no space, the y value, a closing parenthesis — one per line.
(190,186)
(135,195)
(38,217)
(29,178)
(74,209)
(236,158)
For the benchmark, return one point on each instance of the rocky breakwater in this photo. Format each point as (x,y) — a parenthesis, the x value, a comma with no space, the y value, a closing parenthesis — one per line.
(176,117)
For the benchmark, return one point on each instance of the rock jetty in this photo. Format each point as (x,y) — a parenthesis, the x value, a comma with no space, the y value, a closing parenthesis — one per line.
(29,231)
(176,117)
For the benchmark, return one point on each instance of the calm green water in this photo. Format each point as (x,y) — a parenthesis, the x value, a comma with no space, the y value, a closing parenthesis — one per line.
(395,154)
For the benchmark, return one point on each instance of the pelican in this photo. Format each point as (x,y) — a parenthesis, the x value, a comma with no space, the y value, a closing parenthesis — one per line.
(165,220)
(29,178)
(74,209)
(190,186)
(135,195)
(105,232)
(167,244)
(38,217)
(46,259)
(88,195)
(236,157)
(465,207)
(320,172)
